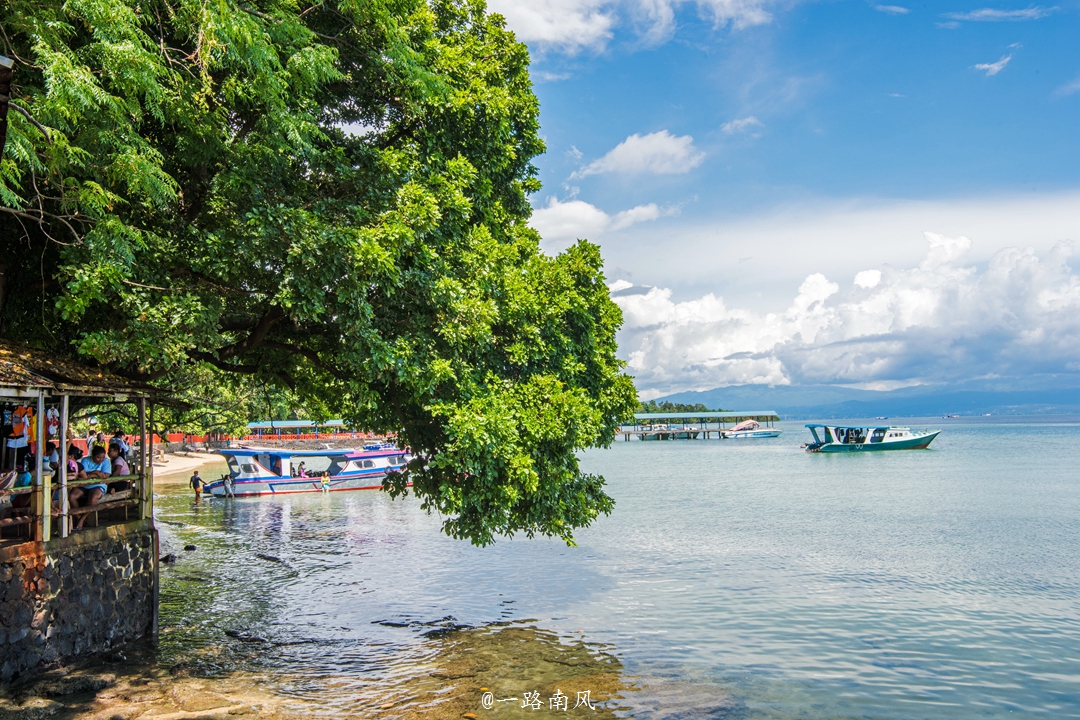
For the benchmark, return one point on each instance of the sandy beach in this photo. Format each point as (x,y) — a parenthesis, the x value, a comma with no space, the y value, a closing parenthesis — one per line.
(176,468)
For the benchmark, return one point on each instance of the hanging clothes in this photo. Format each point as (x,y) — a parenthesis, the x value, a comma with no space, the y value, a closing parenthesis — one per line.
(52,422)
(22,427)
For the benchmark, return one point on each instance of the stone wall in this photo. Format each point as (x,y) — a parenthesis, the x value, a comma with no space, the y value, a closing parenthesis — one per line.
(84,594)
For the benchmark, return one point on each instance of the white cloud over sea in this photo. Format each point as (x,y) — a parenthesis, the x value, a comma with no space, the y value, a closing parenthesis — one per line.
(940,320)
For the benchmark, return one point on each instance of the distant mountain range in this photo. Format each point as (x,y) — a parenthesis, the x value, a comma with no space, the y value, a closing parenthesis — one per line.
(1017,396)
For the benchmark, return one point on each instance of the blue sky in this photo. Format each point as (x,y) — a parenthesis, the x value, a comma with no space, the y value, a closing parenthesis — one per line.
(743,162)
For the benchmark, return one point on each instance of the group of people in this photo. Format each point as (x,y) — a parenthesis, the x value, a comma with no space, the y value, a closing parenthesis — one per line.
(100,464)
(108,465)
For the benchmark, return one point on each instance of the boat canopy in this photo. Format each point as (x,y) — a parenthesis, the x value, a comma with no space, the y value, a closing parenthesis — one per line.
(278,452)
(842,427)
(286,453)
(746,425)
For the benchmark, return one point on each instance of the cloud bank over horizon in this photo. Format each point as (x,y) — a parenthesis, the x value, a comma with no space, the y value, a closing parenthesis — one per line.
(940,321)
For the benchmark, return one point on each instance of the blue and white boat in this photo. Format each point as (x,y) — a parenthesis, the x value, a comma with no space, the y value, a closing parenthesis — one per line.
(277,471)
(839,438)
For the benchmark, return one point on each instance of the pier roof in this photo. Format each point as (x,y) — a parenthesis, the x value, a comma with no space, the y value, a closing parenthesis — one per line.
(746,415)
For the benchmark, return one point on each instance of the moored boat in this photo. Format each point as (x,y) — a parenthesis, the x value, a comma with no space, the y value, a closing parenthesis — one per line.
(839,438)
(750,429)
(276,471)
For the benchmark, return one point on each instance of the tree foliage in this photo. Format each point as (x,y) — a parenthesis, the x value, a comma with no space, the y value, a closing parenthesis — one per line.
(671,407)
(327,198)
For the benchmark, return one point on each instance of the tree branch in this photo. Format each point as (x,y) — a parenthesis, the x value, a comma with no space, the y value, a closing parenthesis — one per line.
(256,338)
(29,117)
(40,220)
(222,365)
(311,355)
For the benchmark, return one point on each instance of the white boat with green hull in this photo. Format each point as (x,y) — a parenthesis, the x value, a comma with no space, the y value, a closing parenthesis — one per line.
(841,438)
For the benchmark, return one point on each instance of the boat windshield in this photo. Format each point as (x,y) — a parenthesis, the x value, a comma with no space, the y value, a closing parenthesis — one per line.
(315,465)
(239,465)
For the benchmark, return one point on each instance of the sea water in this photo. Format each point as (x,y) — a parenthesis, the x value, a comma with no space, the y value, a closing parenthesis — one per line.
(736,578)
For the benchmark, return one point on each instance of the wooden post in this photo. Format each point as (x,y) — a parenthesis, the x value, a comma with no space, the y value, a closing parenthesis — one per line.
(62,434)
(146,461)
(44,487)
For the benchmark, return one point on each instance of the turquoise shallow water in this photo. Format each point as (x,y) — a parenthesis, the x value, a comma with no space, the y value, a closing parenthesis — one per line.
(919,584)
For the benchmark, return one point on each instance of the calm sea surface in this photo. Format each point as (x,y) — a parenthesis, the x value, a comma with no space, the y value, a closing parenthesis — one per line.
(739,579)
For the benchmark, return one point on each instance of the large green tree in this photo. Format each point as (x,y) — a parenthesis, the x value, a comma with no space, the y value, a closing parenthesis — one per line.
(329,197)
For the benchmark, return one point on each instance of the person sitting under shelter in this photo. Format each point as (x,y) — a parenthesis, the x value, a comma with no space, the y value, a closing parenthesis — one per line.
(52,457)
(120,468)
(24,478)
(97,466)
(118,439)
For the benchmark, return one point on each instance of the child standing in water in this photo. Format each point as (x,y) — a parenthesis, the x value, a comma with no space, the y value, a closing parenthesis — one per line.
(326,482)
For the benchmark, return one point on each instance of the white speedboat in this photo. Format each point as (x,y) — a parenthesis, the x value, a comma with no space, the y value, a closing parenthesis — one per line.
(839,438)
(750,429)
(275,471)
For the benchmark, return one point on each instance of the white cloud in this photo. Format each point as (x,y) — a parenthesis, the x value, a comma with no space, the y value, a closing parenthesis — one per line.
(892,9)
(740,13)
(544,76)
(659,153)
(995,67)
(994,15)
(567,25)
(575,25)
(559,222)
(868,278)
(938,321)
(1069,88)
(740,125)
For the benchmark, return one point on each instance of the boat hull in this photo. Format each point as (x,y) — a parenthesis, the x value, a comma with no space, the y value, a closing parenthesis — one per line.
(752,434)
(292,486)
(920,442)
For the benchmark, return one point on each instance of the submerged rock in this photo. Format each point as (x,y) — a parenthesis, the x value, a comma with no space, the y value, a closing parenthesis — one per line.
(32,708)
(72,684)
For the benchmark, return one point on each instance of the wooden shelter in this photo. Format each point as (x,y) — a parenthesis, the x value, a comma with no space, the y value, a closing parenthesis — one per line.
(45,389)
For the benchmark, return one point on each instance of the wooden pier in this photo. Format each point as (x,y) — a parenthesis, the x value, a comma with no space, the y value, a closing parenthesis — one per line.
(691,425)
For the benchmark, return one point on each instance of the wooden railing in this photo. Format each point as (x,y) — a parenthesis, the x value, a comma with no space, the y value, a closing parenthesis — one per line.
(60,512)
